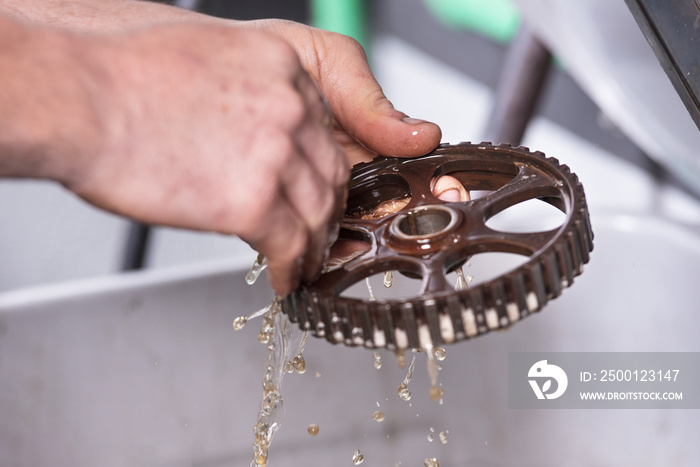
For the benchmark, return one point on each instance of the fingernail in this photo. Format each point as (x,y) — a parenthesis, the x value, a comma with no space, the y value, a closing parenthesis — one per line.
(413,121)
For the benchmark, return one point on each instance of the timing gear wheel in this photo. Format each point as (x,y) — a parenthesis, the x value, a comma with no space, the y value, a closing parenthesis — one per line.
(429,237)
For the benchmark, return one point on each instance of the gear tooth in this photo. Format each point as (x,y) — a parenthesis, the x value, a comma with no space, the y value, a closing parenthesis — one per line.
(408,313)
(551,275)
(326,308)
(384,311)
(290,307)
(574,239)
(537,296)
(426,338)
(469,322)
(586,238)
(432,314)
(356,335)
(552,160)
(442,328)
(476,298)
(334,325)
(565,262)
(302,307)
(499,301)
(365,314)
(344,313)
(454,307)
(314,316)
(518,294)
(579,247)
(399,331)
(378,336)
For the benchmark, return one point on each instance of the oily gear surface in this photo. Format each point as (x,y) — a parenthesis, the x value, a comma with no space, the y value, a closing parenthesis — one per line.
(428,238)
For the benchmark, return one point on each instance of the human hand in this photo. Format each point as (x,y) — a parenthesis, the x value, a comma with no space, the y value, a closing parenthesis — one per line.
(292,217)
(215,128)
(365,121)
(209,124)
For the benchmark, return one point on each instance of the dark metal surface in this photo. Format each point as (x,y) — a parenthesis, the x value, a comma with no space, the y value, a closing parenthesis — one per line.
(520,86)
(672,28)
(136,246)
(429,238)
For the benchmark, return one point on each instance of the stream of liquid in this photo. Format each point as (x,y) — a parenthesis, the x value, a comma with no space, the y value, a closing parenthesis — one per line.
(461,280)
(285,344)
(369,288)
(403,391)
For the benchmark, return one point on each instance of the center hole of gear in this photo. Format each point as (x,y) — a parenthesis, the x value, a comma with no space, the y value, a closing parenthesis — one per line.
(424,222)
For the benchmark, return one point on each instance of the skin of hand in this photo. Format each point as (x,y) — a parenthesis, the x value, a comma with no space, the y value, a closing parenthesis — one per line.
(216,126)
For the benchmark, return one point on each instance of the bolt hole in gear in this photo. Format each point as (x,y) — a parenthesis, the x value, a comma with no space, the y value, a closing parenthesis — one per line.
(395,221)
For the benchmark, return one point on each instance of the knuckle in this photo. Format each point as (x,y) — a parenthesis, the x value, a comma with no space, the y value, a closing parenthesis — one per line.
(354,47)
(292,106)
(283,107)
(349,46)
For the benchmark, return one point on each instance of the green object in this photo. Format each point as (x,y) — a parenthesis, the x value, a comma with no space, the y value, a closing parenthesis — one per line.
(342,16)
(496,19)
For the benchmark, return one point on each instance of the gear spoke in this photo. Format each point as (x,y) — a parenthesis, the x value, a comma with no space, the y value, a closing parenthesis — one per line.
(420,191)
(487,239)
(435,282)
(530,183)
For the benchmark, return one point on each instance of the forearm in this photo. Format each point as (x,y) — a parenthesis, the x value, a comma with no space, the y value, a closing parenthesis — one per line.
(48,102)
(97,15)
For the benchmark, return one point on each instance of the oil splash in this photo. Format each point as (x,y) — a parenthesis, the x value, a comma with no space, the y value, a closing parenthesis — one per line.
(388,279)
(433,369)
(369,289)
(403,391)
(285,344)
(461,280)
(258,266)
(377,360)
(357,457)
(240,322)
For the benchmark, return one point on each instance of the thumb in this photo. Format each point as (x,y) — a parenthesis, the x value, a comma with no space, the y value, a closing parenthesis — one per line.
(361,108)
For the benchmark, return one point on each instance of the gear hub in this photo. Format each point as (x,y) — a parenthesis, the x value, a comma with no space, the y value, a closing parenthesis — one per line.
(425,237)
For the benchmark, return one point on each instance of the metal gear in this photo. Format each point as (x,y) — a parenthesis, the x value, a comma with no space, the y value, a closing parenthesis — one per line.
(429,238)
